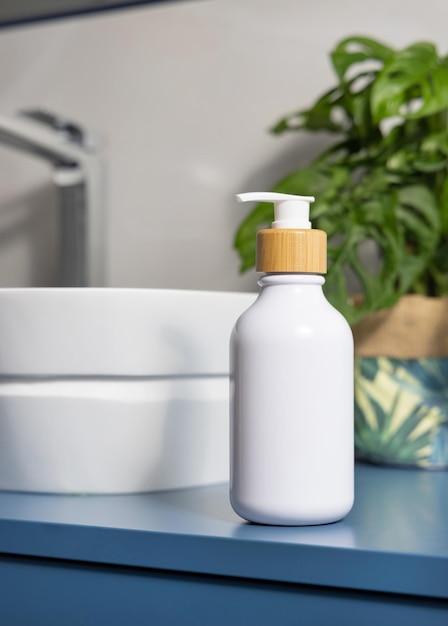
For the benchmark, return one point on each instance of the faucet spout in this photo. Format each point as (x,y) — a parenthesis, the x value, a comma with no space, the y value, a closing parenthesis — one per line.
(78,174)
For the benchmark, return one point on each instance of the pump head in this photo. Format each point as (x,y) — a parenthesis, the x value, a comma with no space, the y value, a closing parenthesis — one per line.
(290,211)
(291,245)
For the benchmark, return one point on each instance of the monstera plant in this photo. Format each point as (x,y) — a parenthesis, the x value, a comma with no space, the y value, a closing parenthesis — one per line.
(382,193)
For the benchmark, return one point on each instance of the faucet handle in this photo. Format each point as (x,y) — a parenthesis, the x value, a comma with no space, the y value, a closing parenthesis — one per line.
(72,131)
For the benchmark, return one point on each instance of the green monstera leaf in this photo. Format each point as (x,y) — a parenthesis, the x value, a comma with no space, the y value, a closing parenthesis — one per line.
(383,182)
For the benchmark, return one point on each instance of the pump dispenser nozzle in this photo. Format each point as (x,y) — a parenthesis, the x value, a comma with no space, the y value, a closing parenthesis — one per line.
(290,211)
(291,245)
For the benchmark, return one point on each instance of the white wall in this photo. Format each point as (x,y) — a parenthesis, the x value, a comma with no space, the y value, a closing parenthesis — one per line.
(185,93)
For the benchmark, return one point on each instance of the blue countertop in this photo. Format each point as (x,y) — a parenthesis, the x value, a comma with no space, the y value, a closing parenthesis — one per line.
(395,539)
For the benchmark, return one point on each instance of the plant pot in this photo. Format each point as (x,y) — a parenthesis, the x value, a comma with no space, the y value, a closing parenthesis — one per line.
(401,384)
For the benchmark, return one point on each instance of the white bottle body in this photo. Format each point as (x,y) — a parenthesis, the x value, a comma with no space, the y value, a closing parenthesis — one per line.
(291,429)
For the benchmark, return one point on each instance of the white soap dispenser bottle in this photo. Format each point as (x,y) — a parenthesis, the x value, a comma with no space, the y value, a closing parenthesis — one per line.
(291,373)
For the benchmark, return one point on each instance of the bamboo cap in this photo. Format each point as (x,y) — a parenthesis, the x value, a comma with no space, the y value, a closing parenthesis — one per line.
(291,245)
(292,250)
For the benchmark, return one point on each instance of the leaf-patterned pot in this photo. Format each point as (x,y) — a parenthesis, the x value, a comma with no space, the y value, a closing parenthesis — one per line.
(401,411)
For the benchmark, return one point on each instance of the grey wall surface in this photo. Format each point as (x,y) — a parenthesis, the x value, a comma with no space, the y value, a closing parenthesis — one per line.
(184,93)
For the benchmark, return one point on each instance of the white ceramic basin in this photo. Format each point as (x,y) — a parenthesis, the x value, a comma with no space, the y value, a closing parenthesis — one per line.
(114,390)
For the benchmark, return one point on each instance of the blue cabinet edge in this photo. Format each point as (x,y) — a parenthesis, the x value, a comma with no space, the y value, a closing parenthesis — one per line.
(394,541)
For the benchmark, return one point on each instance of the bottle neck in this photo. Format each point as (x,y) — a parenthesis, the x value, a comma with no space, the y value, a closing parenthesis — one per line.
(298,279)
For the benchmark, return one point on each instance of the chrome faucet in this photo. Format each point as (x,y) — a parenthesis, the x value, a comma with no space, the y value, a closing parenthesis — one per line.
(78,175)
